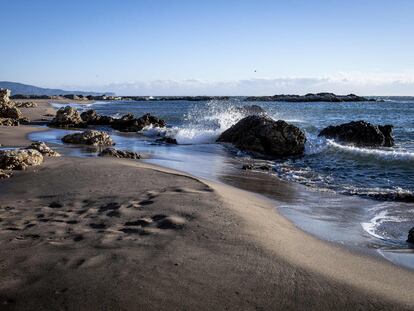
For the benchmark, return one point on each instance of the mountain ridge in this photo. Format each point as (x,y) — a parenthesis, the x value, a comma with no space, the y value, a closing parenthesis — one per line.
(27,89)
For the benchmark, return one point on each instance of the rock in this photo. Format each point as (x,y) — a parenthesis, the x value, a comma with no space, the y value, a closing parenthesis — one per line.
(112,152)
(128,123)
(361,133)
(4,96)
(90,137)
(92,118)
(5,174)
(410,238)
(9,122)
(43,149)
(8,110)
(67,117)
(167,140)
(319,97)
(26,105)
(19,159)
(261,134)
(261,167)
(251,110)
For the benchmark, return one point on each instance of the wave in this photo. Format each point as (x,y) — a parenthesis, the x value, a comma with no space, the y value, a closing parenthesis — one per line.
(373,227)
(80,107)
(378,153)
(203,124)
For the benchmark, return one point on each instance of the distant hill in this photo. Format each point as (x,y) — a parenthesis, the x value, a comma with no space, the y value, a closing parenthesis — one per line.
(25,89)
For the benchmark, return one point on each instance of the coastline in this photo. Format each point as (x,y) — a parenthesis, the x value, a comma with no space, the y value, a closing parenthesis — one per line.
(230,237)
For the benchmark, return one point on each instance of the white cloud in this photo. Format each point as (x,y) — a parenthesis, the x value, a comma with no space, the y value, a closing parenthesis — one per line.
(340,83)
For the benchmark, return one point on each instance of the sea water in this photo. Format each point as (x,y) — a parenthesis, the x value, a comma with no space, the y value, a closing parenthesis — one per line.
(360,197)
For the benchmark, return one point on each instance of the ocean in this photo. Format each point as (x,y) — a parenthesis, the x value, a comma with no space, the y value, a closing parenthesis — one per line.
(362,198)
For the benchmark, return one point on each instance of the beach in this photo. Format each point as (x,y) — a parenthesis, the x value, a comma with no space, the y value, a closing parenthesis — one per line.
(111,234)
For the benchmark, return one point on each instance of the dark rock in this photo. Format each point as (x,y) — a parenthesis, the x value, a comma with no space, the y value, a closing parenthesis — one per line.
(261,167)
(92,118)
(319,97)
(112,152)
(90,137)
(410,237)
(247,167)
(266,136)
(128,123)
(167,140)
(361,133)
(67,117)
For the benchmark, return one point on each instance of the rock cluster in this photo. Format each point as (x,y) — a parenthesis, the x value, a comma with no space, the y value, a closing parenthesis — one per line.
(43,149)
(361,133)
(128,123)
(26,105)
(67,117)
(319,97)
(19,159)
(263,135)
(122,154)
(89,137)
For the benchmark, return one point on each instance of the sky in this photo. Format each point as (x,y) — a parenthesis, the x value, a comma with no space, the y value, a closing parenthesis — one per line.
(210,47)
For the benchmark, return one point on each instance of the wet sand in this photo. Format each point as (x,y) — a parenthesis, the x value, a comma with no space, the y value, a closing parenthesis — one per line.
(109,234)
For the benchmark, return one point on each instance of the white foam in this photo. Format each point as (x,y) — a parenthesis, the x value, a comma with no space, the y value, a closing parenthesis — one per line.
(383,216)
(379,153)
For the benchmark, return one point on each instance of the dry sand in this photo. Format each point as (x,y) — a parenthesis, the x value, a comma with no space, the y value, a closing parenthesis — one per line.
(109,234)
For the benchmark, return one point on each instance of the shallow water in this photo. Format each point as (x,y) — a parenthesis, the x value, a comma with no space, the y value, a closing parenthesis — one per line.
(327,192)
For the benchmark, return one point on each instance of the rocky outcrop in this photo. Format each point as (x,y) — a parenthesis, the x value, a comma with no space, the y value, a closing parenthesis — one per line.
(19,159)
(43,149)
(67,117)
(7,107)
(128,123)
(319,97)
(261,134)
(26,105)
(361,133)
(90,137)
(92,118)
(410,237)
(122,154)
(9,122)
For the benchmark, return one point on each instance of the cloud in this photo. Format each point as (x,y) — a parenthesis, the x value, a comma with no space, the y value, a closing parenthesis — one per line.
(340,83)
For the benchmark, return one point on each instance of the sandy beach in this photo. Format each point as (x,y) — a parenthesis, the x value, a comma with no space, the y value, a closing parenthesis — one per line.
(110,234)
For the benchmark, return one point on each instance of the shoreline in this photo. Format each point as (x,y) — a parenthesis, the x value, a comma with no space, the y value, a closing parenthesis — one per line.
(294,260)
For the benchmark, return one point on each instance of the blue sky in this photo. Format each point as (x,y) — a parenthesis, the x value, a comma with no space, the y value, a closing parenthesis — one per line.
(183,47)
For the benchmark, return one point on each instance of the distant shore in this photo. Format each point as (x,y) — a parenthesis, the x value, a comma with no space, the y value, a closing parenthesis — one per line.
(318,97)
(121,234)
